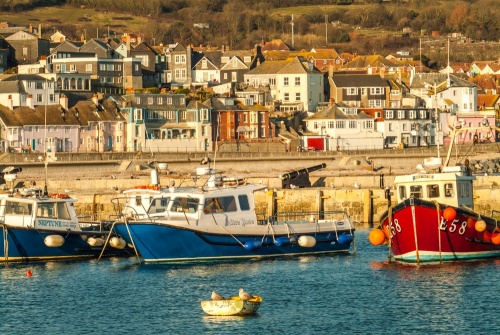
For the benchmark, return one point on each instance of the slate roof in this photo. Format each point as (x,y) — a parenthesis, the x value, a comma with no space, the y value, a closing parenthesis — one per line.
(359,80)
(334,112)
(421,79)
(269,67)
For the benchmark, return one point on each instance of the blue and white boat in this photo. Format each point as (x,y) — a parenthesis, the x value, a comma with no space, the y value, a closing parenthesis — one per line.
(37,226)
(217,220)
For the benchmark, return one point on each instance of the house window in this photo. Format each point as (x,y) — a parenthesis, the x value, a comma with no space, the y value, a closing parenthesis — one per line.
(72,68)
(204,114)
(204,64)
(423,114)
(159,101)
(377,115)
(286,97)
(352,91)
(353,124)
(235,62)
(150,100)
(363,91)
(390,126)
(285,81)
(297,96)
(297,81)
(405,127)
(389,114)
(368,124)
(39,98)
(339,124)
(88,67)
(272,81)
(376,90)
(413,114)
(401,114)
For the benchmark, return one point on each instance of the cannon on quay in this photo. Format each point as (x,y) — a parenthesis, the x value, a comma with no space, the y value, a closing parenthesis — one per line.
(299,178)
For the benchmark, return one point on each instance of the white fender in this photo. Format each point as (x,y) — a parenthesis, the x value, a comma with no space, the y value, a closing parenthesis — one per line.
(117,242)
(307,241)
(54,241)
(95,241)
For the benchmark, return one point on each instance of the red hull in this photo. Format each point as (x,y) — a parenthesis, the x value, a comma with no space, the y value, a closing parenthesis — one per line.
(420,234)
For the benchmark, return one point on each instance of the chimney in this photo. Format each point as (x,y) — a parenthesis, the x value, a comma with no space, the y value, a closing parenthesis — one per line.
(127,42)
(382,73)
(332,102)
(43,62)
(10,102)
(63,101)
(39,31)
(139,39)
(95,99)
(29,101)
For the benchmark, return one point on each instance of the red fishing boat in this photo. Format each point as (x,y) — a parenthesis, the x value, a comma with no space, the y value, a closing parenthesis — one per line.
(434,220)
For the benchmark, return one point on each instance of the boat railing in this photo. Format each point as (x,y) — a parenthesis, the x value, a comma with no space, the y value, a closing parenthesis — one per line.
(304,217)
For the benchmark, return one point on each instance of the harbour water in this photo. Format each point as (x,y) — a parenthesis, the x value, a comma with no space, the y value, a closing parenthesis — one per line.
(350,294)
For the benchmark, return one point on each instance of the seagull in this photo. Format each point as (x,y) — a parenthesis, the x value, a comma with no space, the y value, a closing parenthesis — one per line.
(217,296)
(244,295)
(356,185)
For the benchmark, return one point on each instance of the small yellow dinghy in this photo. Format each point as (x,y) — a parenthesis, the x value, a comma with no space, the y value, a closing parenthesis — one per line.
(231,306)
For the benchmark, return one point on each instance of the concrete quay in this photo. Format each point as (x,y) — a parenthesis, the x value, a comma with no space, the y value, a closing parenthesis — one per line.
(354,183)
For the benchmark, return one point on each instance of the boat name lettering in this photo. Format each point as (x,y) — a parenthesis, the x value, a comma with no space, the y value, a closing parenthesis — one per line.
(50,223)
(453,226)
(242,222)
(423,176)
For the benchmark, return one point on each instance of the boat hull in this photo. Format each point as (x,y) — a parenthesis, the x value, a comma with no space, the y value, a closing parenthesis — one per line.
(25,244)
(231,307)
(167,243)
(418,232)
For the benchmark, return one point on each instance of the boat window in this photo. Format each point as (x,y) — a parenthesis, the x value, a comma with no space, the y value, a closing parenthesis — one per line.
(18,208)
(138,200)
(220,204)
(416,191)
(448,190)
(244,204)
(158,205)
(402,192)
(433,191)
(62,211)
(187,205)
(464,190)
(46,210)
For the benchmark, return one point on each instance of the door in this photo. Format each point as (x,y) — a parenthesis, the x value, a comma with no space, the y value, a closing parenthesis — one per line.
(110,143)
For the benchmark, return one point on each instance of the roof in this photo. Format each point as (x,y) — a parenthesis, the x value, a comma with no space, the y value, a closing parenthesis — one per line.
(420,80)
(334,112)
(359,80)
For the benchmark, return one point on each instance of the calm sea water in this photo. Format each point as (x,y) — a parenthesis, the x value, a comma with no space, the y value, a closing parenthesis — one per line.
(353,294)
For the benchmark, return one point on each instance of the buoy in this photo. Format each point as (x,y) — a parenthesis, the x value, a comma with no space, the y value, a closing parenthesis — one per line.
(495,238)
(345,239)
(480,226)
(307,241)
(252,245)
(376,236)
(95,242)
(487,236)
(54,241)
(117,242)
(28,273)
(450,214)
(471,223)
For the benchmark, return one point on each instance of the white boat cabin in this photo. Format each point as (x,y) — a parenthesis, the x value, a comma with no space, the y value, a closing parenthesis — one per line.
(452,186)
(207,205)
(46,213)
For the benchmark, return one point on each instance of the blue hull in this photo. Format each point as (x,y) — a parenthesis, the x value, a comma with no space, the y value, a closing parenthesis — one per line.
(162,243)
(28,245)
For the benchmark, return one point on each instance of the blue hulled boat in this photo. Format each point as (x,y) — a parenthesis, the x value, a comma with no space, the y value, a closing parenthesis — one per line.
(218,221)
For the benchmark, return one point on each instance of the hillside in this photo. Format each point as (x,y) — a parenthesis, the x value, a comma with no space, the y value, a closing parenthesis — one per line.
(361,27)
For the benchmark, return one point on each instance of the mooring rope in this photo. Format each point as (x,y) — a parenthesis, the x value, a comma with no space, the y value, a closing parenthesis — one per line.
(389,226)
(415,231)
(5,243)
(227,231)
(439,230)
